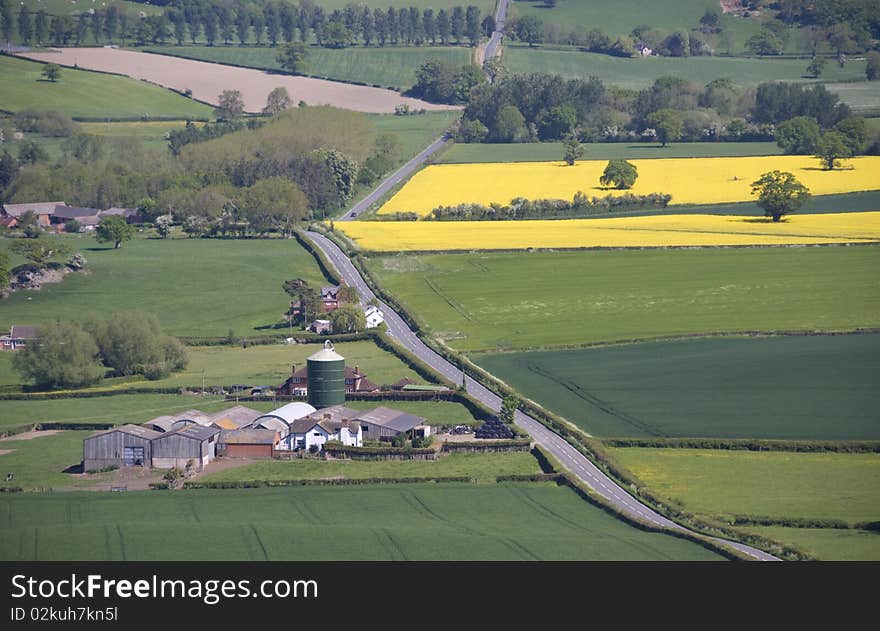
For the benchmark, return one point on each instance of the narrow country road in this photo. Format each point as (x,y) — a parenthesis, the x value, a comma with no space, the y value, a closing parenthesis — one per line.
(576,462)
(493,48)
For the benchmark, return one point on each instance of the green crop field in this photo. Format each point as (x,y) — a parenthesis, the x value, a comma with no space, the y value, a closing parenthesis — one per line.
(803,387)
(195,286)
(769,484)
(391,67)
(90,95)
(415,132)
(640,72)
(862,96)
(553,151)
(418,522)
(522,300)
(39,463)
(483,467)
(70,7)
(827,544)
(116,409)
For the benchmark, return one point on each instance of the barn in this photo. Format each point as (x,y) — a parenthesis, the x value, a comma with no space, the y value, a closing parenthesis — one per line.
(123,446)
(194,444)
(250,443)
(384,423)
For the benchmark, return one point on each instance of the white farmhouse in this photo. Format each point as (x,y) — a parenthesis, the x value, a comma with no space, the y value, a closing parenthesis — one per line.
(373,316)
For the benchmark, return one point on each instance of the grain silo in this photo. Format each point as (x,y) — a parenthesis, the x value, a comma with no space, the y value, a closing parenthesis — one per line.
(326,377)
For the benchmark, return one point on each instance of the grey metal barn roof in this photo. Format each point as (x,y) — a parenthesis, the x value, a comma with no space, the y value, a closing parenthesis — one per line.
(240,415)
(63,211)
(195,432)
(250,436)
(40,208)
(134,430)
(392,419)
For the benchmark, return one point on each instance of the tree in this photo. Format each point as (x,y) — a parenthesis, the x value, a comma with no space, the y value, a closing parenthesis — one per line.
(29,152)
(488,25)
(765,43)
(276,202)
(472,24)
(799,135)
(347,295)
(558,122)
(529,28)
(40,252)
(509,406)
(457,24)
(6,19)
(510,125)
(292,57)
(72,226)
(832,148)
(62,355)
(113,229)
(277,101)
(348,319)
(620,174)
(816,66)
(494,68)
(574,150)
(29,224)
(710,20)
(133,343)
(8,170)
(853,127)
(667,124)
(25,25)
(230,105)
(163,225)
(4,270)
(52,72)
(444,26)
(779,193)
(872,69)
(41,26)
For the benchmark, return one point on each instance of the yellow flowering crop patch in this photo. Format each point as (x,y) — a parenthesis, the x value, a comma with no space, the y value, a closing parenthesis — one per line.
(688,180)
(618,232)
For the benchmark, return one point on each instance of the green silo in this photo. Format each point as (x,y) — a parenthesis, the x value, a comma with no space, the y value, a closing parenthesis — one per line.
(326,377)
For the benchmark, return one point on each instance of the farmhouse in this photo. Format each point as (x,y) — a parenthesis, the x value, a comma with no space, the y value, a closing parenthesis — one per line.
(43,210)
(333,423)
(373,316)
(18,337)
(298,382)
(330,298)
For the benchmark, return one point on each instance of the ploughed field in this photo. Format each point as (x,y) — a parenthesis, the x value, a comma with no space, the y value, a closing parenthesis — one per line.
(688,180)
(410,522)
(207,80)
(515,300)
(651,231)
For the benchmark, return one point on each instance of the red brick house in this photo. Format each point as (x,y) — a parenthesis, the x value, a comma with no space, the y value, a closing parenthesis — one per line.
(298,382)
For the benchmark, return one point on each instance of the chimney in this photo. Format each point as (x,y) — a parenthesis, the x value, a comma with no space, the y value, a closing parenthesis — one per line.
(292,369)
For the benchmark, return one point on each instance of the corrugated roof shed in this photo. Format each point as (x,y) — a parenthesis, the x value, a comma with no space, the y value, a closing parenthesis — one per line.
(196,432)
(40,208)
(250,436)
(134,430)
(237,416)
(392,419)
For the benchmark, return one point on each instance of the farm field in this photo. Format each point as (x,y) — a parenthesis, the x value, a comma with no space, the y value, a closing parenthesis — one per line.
(774,484)
(826,544)
(69,7)
(789,387)
(198,302)
(388,67)
(463,153)
(862,96)
(415,132)
(467,299)
(90,95)
(637,73)
(208,80)
(688,180)
(649,231)
(39,463)
(448,522)
(483,467)
(117,409)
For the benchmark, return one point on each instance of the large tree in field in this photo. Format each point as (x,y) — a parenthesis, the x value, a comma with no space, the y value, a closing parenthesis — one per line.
(52,72)
(292,57)
(62,355)
(667,124)
(275,203)
(779,194)
(620,174)
(833,147)
(41,252)
(277,101)
(133,343)
(798,135)
(113,229)
(529,28)
(230,105)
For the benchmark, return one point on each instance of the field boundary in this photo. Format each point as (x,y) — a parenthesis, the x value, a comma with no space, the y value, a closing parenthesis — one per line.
(747,444)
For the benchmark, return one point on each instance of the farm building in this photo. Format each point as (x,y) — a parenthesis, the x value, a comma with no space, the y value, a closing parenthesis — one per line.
(330,298)
(321,326)
(333,423)
(384,423)
(123,446)
(194,444)
(298,383)
(249,442)
(373,316)
(43,210)
(282,418)
(64,213)
(235,417)
(18,336)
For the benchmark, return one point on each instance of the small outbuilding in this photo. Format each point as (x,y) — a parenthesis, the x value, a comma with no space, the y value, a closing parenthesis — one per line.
(384,423)
(250,443)
(123,446)
(194,444)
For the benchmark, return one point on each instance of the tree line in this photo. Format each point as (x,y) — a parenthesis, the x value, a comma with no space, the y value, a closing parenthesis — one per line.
(216,22)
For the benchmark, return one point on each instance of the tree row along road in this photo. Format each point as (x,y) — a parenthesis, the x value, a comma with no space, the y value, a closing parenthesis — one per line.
(570,457)
(493,49)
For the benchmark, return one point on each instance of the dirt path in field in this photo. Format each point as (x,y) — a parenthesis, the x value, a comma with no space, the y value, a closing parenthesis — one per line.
(208,80)
(3,452)
(32,435)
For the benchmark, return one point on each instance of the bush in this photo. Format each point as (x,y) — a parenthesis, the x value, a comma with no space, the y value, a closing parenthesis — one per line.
(521,208)
(48,123)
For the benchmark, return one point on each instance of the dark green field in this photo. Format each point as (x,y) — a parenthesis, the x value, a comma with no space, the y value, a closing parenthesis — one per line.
(804,387)
(529,300)
(553,151)
(389,67)
(424,522)
(195,286)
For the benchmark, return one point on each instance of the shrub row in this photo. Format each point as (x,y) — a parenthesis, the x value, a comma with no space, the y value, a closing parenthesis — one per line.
(529,477)
(11,489)
(86,394)
(521,208)
(789,522)
(301,337)
(376,451)
(159,486)
(255,484)
(17,429)
(489,445)
(326,266)
(748,444)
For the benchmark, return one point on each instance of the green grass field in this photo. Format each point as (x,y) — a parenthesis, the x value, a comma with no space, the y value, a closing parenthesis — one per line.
(117,409)
(420,522)
(769,484)
(506,301)
(804,387)
(391,67)
(827,544)
(415,132)
(69,7)
(483,467)
(862,96)
(39,463)
(195,286)
(90,95)
(640,72)
(553,151)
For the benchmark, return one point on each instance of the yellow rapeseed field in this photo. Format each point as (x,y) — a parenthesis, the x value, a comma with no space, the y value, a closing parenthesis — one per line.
(688,180)
(618,232)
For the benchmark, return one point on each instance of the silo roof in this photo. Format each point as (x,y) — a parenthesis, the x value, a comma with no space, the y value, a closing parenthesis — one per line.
(326,354)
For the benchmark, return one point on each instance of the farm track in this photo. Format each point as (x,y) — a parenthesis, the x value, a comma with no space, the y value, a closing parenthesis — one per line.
(578,464)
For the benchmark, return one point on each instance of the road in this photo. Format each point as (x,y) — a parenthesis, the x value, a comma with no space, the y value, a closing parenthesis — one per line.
(493,48)
(571,458)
